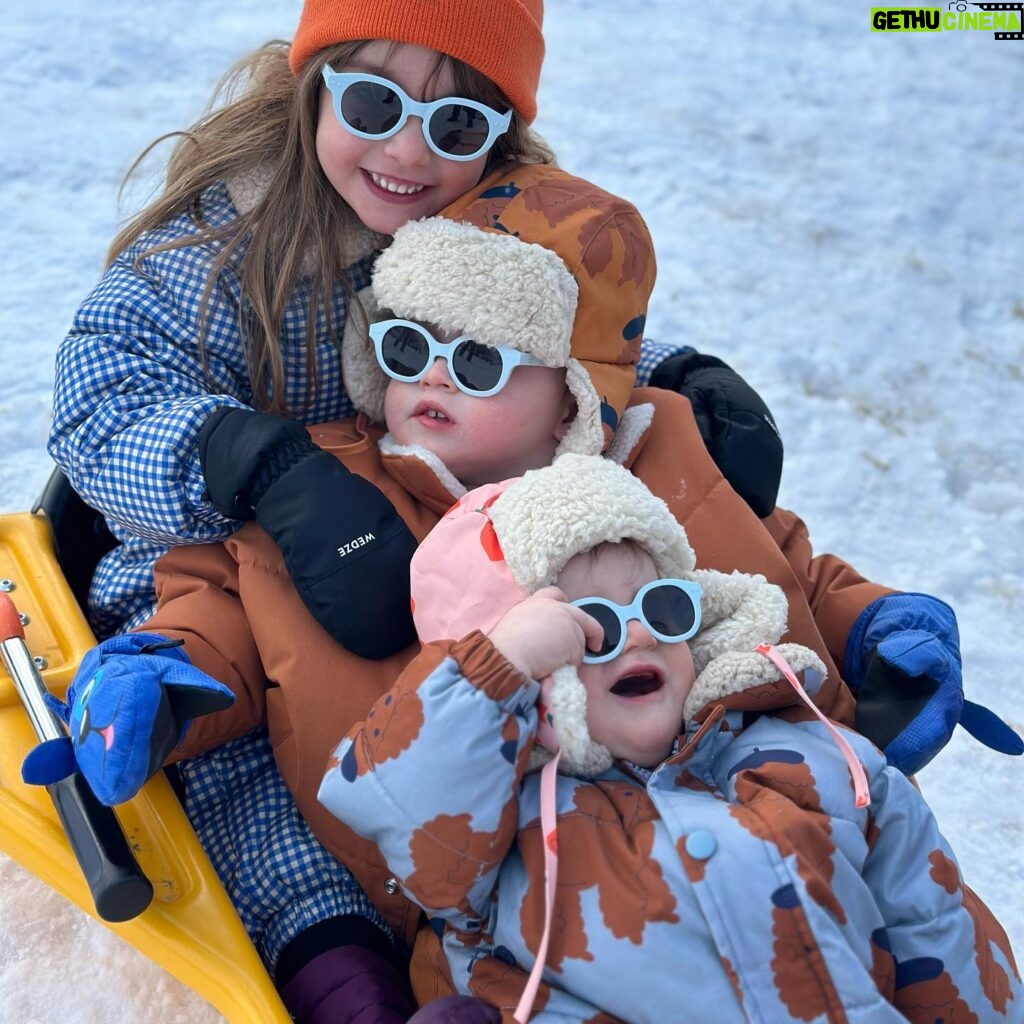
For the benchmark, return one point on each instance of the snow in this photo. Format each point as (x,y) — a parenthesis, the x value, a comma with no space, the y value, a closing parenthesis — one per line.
(836,212)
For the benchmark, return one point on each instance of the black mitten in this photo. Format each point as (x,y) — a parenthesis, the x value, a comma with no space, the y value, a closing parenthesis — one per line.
(346,548)
(734,422)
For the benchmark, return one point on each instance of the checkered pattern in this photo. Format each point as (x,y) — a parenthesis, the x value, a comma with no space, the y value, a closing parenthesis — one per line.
(280,879)
(652,355)
(132,394)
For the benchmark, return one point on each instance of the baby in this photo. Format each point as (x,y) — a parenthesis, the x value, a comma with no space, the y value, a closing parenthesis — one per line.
(721,846)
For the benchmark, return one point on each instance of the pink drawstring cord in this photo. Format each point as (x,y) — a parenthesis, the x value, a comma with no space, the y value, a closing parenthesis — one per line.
(860,778)
(549,831)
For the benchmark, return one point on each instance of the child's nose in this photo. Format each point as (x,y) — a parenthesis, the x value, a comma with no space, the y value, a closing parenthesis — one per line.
(437,374)
(638,636)
(407,145)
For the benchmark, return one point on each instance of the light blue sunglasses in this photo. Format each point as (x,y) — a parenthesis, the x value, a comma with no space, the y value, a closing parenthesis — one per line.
(375,108)
(406,351)
(669,609)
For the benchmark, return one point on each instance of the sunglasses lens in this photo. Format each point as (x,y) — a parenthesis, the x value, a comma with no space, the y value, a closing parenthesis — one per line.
(669,610)
(404,351)
(609,622)
(477,367)
(458,130)
(370,107)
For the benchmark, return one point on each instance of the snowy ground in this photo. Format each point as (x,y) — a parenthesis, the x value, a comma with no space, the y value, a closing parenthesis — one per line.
(837,212)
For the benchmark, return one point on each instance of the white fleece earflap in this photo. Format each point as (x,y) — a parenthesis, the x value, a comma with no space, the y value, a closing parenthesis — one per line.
(504,541)
(365,381)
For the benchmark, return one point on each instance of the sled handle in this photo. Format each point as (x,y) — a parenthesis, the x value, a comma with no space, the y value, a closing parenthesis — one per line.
(119,889)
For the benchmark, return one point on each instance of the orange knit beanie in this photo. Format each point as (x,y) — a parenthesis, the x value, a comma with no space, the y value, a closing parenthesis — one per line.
(499,38)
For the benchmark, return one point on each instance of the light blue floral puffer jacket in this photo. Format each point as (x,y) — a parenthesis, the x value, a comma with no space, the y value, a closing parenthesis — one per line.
(738,881)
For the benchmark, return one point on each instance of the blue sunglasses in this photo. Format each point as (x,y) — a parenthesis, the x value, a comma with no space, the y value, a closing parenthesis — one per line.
(407,350)
(375,108)
(669,609)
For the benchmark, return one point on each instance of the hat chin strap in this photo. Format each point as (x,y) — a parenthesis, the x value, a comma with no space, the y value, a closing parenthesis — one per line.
(549,830)
(585,436)
(861,788)
(562,730)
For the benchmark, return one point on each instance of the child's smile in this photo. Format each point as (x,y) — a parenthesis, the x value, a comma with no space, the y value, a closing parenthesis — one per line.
(394,188)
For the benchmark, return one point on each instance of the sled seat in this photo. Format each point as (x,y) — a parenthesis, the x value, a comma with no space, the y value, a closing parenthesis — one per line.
(190,929)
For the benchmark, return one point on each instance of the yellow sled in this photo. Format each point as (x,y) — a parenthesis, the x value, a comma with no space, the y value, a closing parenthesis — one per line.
(190,928)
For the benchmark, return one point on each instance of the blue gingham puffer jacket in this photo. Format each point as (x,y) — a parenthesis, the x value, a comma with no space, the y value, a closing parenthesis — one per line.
(131,395)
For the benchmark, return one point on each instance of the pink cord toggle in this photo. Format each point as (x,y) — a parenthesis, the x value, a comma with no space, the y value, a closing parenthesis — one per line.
(860,778)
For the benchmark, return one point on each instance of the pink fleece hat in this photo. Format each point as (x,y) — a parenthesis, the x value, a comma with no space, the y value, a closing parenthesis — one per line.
(461,582)
(460,579)
(504,541)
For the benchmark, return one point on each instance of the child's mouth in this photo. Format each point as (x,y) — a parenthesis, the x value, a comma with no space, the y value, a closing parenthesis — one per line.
(639,685)
(393,189)
(431,416)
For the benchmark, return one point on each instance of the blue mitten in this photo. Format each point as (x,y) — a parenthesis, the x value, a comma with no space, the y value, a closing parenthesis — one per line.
(127,708)
(903,663)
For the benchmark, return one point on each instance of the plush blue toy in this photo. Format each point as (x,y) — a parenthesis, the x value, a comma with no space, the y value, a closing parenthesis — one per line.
(903,663)
(127,708)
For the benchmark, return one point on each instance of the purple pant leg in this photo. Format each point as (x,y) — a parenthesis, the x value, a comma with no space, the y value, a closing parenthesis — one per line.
(349,985)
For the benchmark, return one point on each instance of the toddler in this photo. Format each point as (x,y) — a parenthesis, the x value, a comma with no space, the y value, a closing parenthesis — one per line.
(716,849)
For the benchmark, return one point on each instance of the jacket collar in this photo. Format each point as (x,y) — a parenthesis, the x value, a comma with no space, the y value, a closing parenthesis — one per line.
(424,475)
(421,473)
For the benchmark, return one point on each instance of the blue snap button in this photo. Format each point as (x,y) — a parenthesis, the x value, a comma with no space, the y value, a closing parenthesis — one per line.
(701,844)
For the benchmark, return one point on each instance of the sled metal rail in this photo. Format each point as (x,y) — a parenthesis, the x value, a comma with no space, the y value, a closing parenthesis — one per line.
(190,928)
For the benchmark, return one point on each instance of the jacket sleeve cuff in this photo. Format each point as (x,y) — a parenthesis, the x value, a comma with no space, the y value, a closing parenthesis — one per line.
(486,668)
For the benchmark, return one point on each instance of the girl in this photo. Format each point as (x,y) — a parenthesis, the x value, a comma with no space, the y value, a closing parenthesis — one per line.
(231,292)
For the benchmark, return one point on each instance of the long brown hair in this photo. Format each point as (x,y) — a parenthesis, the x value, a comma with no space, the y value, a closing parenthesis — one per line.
(262,120)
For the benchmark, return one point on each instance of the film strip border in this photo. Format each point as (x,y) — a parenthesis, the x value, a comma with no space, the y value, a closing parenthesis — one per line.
(1018,7)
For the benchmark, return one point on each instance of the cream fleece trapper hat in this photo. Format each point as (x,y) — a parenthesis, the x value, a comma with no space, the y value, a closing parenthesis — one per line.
(535,260)
(504,541)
